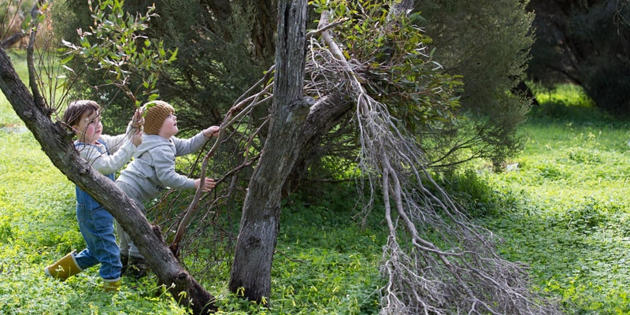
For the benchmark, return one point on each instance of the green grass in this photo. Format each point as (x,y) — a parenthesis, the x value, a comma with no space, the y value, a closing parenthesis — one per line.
(566,210)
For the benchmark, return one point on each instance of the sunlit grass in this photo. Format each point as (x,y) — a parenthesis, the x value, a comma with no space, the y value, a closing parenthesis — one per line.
(569,94)
(565,210)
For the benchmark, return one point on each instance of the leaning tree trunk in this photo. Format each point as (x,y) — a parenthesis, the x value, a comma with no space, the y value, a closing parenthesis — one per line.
(11,40)
(256,242)
(56,143)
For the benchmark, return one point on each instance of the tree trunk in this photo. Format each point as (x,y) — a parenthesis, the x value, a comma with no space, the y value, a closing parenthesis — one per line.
(11,40)
(262,30)
(56,143)
(256,242)
(323,116)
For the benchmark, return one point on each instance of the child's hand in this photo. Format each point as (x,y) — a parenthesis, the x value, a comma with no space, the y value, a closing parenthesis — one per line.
(208,184)
(136,139)
(137,121)
(211,131)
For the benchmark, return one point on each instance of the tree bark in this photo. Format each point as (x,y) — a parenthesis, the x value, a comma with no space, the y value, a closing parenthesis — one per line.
(56,143)
(11,40)
(262,30)
(328,112)
(256,242)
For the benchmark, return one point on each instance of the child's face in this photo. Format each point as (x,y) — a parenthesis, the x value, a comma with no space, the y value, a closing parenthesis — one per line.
(89,127)
(169,126)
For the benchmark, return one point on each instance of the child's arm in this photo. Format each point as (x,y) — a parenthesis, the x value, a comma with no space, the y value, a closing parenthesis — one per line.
(186,146)
(164,164)
(193,144)
(104,163)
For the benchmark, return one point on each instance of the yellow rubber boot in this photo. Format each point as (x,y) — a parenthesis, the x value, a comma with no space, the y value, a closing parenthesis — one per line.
(63,268)
(111,285)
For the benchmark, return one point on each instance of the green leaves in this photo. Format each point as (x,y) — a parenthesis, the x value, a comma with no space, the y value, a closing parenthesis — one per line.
(401,70)
(116,46)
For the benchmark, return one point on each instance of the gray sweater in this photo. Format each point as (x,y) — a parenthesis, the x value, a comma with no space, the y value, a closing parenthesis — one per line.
(120,151)
(153,168)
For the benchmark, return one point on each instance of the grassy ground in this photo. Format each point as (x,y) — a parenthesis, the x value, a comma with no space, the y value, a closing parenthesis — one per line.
(563,209)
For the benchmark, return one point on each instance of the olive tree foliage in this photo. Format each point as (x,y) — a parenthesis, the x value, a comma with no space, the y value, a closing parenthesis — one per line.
(115,48)
(586,43)
(215,61)
(487,42)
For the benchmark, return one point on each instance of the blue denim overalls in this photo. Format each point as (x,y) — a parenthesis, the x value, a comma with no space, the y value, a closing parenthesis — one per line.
(97,227)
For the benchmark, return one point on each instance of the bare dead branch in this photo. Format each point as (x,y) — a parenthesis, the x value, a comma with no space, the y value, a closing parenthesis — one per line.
(238,112)
(459,271)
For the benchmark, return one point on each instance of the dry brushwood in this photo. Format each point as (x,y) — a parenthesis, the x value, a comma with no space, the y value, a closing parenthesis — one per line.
(459,269)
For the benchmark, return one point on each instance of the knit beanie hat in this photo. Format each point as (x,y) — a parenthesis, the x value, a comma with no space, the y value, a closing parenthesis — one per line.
(155,115)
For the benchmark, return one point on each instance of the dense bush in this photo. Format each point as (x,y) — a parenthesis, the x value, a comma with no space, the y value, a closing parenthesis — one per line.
(488,43)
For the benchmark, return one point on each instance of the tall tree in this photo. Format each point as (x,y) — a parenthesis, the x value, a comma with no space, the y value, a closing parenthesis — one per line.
(256,243)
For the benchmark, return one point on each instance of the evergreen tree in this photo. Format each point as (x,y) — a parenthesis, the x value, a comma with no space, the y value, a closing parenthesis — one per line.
(487,42)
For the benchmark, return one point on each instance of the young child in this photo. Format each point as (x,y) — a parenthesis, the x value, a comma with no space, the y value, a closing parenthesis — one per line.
(106,154)
(153,169)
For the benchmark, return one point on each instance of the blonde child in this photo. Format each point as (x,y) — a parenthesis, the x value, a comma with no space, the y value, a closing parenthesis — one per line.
(153,169)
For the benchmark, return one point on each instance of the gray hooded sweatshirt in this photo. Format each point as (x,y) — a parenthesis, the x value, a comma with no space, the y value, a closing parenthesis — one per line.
(153,168)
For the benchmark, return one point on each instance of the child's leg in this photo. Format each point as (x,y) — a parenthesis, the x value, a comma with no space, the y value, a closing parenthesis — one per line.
(85,259)
(98,230)
(134,264)
(127,247)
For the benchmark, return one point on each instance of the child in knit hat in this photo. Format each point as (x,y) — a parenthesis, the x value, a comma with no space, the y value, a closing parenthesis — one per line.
(153,169)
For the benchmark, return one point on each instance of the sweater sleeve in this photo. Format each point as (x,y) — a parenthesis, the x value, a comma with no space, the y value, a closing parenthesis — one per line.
(105,163)
(190,145)
(116,142)
(164,163)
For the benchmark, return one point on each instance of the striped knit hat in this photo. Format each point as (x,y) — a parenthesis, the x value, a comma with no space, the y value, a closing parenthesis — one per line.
(155,114)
